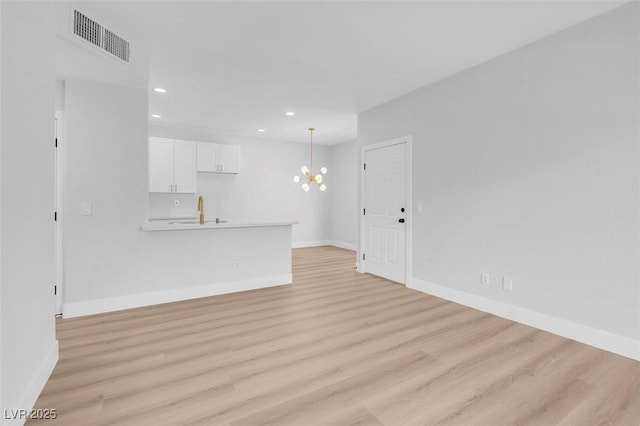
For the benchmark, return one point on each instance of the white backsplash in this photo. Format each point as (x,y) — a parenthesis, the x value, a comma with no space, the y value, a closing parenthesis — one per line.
(162,206)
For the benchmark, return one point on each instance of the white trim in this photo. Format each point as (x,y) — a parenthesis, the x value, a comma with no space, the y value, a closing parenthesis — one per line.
(615,343)
(28,400)
(408,140)
(316,243)
(344,245)
(319,243)
(97,306)
(59,160)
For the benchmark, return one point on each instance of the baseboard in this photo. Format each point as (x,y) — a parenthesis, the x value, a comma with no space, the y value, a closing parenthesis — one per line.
(98,306)
(319,243)
(316,243)
(28,401)
(344,245)
(620,345)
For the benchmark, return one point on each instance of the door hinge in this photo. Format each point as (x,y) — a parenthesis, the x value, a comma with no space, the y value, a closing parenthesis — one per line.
(55,216)
(365,166)
(363,256)
(56,142)
(364,212)
(55,289)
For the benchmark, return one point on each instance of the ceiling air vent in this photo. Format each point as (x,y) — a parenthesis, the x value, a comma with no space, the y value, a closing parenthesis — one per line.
(99,36)
(116,45)
(87,28)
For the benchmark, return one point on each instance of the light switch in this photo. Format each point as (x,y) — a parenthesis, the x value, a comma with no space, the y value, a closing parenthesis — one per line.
(507,283)
(85,208)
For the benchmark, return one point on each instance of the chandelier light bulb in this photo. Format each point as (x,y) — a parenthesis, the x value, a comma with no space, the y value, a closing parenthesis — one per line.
(308,176)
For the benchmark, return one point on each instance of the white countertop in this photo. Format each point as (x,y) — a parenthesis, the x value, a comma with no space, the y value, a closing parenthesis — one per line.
(182,224)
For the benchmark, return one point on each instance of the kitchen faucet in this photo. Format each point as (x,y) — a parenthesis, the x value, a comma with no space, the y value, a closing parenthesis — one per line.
(201,209)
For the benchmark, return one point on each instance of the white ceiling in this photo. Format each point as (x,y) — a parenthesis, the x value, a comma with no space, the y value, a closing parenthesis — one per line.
(234,67)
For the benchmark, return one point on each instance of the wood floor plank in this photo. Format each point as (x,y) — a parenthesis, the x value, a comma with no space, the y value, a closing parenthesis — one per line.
(306,408)
(355,415)
(334,348)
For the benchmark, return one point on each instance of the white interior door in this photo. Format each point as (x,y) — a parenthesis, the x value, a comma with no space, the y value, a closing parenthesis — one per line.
(385,195)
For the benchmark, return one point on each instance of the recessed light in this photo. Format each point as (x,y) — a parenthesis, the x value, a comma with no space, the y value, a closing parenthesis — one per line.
(160,90)
(261,130)
(291,113)
(155,116)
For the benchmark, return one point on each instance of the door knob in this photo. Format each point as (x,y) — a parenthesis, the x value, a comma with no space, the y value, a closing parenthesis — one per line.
(401,220)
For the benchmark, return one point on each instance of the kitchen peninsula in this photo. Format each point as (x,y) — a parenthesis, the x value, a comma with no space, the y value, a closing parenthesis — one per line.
(188,260)
(147,262)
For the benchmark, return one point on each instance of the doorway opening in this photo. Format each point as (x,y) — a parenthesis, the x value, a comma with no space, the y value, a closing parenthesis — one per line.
(57,209)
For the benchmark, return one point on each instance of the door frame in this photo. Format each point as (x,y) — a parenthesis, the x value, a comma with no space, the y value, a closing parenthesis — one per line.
(59,162)
(408,141)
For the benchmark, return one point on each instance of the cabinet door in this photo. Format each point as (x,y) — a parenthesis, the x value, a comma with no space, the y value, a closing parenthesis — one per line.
(229,158)
(207,157)
(184,166)
(160,165)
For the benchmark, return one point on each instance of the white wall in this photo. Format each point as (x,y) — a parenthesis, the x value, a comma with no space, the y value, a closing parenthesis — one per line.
(104,163)
(109,262)
(344,194)
(527,166)
(28,349)
(264,189)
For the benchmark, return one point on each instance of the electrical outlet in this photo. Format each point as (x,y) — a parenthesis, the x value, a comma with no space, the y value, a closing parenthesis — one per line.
(484,279)
(85,208)
(507,284)
(237,264)
(176,203)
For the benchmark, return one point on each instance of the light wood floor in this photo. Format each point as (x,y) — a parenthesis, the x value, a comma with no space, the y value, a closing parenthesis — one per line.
(334,348)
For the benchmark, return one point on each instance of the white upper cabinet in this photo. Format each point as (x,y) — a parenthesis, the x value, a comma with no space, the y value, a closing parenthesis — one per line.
(172,166)
(207,157)
(229,158)
(218,158)
(184,166)
(160,165)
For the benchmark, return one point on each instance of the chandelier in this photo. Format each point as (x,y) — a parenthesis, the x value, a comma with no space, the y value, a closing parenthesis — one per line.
(307,172)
